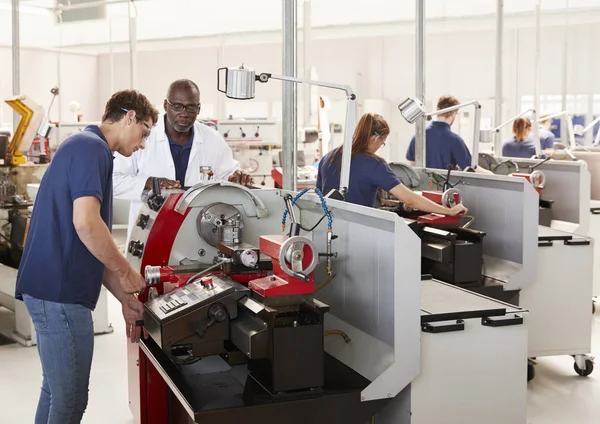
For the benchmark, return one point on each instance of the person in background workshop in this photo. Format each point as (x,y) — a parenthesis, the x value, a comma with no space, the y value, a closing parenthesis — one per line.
(176,149)
(369,172)
(443,147)
(547,137)
(70,253)
(520,145)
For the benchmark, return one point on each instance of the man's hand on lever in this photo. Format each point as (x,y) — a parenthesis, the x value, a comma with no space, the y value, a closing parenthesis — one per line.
(133,313)
(164,183)
(241,178)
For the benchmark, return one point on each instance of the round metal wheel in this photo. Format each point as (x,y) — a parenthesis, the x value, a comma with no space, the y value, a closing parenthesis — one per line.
(292,251)
(589,367)
(530,372)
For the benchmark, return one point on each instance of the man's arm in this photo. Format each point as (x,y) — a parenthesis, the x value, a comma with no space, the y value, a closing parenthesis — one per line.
(94,234)
(132,308)
(127,184)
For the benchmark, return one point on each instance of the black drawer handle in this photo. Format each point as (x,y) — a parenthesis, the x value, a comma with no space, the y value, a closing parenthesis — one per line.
(577,242)
(595,211)
(502,321)
(436,327)
(545,244)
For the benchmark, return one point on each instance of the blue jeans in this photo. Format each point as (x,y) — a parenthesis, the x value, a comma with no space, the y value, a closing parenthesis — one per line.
(65,342)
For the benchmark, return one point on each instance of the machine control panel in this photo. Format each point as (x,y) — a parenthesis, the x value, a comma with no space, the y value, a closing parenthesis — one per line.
(190,297)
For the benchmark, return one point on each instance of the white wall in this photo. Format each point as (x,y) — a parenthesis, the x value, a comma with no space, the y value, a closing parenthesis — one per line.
(39,73)
(459,63)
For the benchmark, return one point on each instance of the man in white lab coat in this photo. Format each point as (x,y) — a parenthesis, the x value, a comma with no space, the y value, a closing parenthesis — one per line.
(175,150)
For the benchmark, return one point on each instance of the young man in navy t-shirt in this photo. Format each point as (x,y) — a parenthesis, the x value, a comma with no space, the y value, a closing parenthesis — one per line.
(70,253)
(442,146)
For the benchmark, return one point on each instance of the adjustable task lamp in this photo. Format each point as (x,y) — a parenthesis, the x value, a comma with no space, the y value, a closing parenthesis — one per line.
(486,135)
(240,84)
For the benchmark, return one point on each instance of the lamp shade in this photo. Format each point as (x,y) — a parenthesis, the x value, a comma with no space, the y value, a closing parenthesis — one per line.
(239,82)
(411,110)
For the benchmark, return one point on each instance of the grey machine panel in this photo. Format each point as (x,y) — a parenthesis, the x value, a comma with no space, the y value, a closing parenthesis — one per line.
(506,209)
(374,297)
(568,185)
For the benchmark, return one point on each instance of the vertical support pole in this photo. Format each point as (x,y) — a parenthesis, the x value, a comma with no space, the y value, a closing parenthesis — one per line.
(536,99)
(111,57)
(499,96)
(564,135)
(306,62)
(16,58)
(420,158)
(132,47)
(290,99)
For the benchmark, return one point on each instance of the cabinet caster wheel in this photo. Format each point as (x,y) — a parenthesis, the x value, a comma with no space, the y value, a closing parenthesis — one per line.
(530,372)
(589,367)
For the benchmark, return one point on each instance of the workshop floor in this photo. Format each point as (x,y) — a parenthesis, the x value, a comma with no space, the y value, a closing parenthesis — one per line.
(555,396)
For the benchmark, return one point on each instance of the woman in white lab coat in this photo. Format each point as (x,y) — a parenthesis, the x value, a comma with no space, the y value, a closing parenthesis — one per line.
(132,175)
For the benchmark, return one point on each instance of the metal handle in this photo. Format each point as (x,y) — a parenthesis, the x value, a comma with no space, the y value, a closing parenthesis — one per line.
(502,321)
(219,79)
(436,327)
(283,253)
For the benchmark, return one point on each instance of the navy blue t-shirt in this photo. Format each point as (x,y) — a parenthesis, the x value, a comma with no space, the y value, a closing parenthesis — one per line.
(547,138)
(515,149)
(56,266)
(181,155)
(367,174)
(442,148)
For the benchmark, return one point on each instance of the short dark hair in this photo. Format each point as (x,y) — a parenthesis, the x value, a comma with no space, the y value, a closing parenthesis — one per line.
(183,83)
(125,100)
(447,101)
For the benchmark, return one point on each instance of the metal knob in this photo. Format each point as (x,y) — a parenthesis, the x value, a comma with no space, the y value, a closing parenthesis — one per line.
(142,221)
(136,248)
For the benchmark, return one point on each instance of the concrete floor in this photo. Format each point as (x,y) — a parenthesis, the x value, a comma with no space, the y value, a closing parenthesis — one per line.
(556,396)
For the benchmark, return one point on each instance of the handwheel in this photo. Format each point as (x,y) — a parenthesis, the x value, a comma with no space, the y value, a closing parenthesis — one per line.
(530,372)
(589,367)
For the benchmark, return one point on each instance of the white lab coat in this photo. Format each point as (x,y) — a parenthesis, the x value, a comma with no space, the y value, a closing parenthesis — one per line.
(130,174)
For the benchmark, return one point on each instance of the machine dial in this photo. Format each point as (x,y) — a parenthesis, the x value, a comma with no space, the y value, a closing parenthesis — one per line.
(249,258)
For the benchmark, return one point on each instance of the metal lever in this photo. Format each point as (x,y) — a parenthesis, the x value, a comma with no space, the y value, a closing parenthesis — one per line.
(531,168)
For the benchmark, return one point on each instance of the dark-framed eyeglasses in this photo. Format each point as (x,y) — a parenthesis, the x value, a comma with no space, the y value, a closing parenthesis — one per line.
(146,133)
(178,107)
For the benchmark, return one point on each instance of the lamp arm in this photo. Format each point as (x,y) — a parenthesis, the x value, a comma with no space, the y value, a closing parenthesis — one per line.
(351,117)
(452,109)
(349,92)
(499,127)
(589,127)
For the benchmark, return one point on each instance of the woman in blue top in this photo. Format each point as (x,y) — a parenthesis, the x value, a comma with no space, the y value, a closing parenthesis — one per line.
(519,146)
(368,172)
